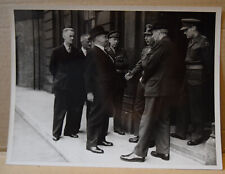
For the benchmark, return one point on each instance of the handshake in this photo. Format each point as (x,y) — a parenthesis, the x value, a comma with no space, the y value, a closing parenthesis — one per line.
(128,76)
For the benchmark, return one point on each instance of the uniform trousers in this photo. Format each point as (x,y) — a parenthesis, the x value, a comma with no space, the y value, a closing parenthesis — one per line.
(139,106)
(195,96)
(67,104)
(155,122)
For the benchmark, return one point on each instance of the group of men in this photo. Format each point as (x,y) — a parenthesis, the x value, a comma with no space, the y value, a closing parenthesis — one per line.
(97,74)
(93,74)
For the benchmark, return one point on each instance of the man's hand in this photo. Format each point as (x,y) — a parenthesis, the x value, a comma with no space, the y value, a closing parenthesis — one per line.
(90,97)
(128,76)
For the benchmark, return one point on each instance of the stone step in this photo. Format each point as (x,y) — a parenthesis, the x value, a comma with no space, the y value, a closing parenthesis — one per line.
(204,153)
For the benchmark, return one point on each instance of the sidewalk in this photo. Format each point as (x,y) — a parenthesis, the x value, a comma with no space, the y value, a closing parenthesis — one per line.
(36,107)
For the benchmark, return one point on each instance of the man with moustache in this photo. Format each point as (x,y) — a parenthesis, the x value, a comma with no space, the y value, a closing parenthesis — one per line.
(67,68)
(121,64)
(159,81)
(99,79)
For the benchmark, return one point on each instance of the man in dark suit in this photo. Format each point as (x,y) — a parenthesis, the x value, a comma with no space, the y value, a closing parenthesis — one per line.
(159,81)
(99,79)
(67,68)
(121,64)
(85,46)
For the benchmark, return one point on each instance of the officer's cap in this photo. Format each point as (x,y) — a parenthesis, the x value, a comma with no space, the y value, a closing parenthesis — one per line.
(148,29)
(189,22)
(113,34)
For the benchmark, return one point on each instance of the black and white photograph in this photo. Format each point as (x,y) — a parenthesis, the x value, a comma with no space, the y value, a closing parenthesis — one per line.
(120,86)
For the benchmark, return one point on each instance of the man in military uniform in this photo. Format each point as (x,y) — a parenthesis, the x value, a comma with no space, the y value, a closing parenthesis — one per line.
(121,64)
(160,84)
(138,71)
(197,63)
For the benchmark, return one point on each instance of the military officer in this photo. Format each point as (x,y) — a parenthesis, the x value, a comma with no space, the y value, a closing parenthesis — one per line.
(118,54)
(137,71)
(160,84)
(197,63)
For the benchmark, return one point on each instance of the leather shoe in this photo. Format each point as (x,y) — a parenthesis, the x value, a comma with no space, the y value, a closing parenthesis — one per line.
(195,142)
(105,143)
(72,135)
(160,155)
(119,132)
(134,139)
(174,135)
(95,149)
(132,157)
(56,138)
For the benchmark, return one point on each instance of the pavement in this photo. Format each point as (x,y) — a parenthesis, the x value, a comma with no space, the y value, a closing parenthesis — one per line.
(32,138)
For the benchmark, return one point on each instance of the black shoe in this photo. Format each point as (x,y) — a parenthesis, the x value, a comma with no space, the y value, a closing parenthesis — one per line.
(195,142)
(151,144)
(160,155)
(72,135)
(95,149)
(134,139)
(105,143)
(174,135)
(119,132)
(132,158)
(56,138)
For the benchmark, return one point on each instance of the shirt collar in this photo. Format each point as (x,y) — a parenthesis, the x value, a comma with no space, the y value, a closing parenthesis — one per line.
(84,51)
(99,46)
(68,48)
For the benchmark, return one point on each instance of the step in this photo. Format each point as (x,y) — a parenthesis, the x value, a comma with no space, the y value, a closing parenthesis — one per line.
(204,153)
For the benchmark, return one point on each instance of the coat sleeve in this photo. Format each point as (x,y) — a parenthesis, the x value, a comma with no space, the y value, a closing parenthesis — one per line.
(89,74)
(151,63)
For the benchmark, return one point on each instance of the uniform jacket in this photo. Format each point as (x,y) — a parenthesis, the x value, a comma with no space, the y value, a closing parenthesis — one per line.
(144,54)
(121,65)
(100,72)
(67,70)
(198,53)
(160,76)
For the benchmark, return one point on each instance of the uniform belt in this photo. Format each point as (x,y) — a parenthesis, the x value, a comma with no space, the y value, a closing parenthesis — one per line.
(194,66)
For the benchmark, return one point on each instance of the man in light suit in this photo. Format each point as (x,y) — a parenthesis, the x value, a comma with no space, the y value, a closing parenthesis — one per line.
(99,80)
(67,68)
(159,81)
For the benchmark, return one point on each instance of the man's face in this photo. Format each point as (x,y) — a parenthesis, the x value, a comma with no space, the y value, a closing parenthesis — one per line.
(189,32)
(148,39)
(86,43)
(113,42)
(155,35)
(101,39)
(68,37)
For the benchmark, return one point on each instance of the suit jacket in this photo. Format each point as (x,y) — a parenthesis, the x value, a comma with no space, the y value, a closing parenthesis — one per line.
(100,72)
(67,70)
(160,70)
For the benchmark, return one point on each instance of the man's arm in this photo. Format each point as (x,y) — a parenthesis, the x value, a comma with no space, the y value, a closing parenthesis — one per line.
(151,63)
(89,77)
